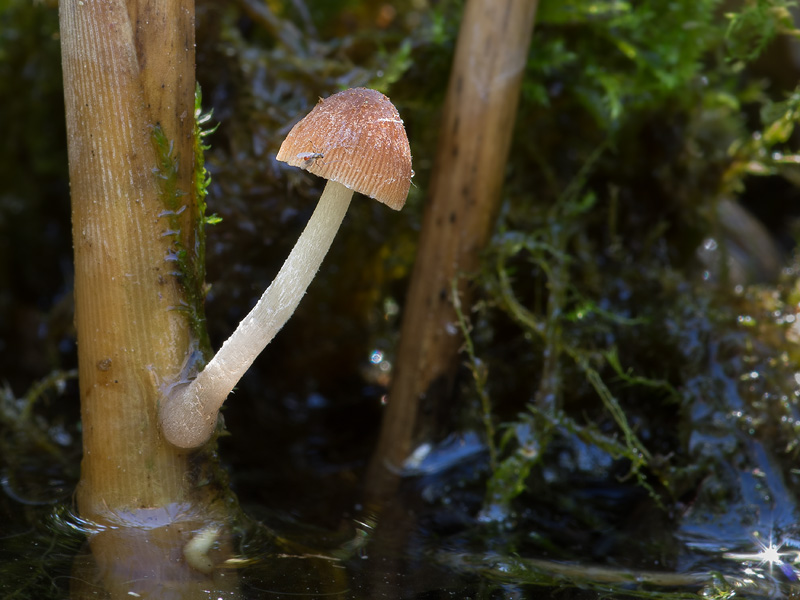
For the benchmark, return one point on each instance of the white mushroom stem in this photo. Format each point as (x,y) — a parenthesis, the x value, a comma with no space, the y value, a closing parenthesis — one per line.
(188,414)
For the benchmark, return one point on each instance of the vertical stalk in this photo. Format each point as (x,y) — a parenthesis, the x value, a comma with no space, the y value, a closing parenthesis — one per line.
(477,124)
(128,68)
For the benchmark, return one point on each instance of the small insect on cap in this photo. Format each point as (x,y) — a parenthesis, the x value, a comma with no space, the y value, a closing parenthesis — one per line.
(356,138)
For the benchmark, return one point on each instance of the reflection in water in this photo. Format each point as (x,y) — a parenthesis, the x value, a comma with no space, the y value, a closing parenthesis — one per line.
(169,553)
(316,537)
(410,547)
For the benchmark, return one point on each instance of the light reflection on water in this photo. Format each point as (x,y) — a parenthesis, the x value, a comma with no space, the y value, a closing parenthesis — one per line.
(426,542)
(370,559)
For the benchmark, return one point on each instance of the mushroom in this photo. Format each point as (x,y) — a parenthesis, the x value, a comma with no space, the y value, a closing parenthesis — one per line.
(356,140)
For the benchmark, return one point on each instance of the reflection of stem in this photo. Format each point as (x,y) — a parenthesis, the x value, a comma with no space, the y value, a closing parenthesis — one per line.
(169,552)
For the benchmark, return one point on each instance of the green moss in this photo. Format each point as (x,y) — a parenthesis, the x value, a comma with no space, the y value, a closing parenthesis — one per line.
(613,355)
(752,28)
(620,57)
(190,263)
(202,178)
(610,368)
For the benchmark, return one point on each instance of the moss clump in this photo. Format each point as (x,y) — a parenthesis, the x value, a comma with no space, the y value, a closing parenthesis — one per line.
(190,262)
(635,334)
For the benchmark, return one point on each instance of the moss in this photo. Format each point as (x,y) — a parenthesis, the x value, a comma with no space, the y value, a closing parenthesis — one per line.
(189,263)
(616,358)
(612,368)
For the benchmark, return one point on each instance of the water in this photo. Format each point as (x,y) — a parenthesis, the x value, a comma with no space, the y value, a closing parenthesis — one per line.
(312,527)
(425,542)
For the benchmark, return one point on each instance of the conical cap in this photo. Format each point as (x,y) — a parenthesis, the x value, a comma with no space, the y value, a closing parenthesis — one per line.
(356,138)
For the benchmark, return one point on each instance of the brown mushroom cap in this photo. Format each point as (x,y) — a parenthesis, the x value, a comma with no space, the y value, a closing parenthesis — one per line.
(356,138)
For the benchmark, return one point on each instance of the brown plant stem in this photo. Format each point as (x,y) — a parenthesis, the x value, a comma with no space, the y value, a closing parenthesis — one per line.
(477,122)
(128,67)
